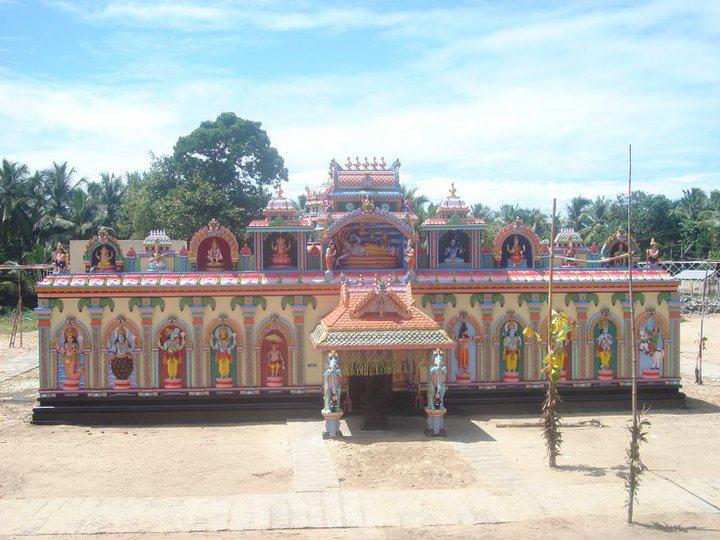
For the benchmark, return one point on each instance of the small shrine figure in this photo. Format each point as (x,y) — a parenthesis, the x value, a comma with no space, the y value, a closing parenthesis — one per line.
(410,255)
(174,347)
(275,363)
(69,351)
(516,252)
(604,351)
(436,382)
(462,353)
(214,255)
(59,259)
(330,256)
(594,249)
(511,347)
(156,263)
(223,343)
(281,248)
(570,255)
(332,385)
(105,262)
(367,205)
(652,255)
(120,346)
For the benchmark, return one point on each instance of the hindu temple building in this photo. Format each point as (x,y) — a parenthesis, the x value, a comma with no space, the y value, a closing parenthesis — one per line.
(252,320)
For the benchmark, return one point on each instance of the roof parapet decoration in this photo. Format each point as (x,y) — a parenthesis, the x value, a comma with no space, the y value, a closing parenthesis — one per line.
(280,206)
(567,235)
(453,205)
(365,174)
(157,238)
(214,230)
(517,227)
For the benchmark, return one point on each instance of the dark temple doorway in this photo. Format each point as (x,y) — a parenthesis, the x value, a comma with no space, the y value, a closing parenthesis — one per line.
(372,394)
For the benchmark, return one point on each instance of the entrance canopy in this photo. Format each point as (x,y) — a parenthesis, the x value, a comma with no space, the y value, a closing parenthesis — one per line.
(380,316)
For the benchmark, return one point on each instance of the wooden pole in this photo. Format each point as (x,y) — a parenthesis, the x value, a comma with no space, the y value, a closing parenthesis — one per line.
(633,356)
(550,277)
(698,364)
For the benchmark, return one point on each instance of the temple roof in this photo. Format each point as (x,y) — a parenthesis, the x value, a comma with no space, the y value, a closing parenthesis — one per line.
(280,206)
(453,205)
(379,316)
(567,235)
(453,212)
(365,175)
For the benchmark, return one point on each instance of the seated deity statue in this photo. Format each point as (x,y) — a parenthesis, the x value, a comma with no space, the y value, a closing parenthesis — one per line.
(516,252)
(453,253)
(105,262)
(214,255)
(280,257)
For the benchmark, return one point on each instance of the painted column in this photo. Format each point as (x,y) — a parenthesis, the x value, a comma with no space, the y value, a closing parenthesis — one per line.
(671,363)
(96,370)
(582,366)
(299,321)
(534,350)
(46,366)
(247,375)
(489,366)
(145,371)
(258,252)
(438,307)
(624,368)
(302,252)
(199,370)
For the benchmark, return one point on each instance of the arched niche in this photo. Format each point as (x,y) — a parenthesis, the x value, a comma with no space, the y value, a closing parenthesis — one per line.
(606,343)
(173,345)
(122,349)
(280,251)
(568,349)
(652,335)
(516,246)
(214,248)
(103,254)
(224,352)
(616,245)
(455,249)
(275,359)
(464,357)
(71,345)
(510,347)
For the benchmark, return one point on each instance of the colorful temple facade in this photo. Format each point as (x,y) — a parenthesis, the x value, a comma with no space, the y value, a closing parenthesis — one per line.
(354,274)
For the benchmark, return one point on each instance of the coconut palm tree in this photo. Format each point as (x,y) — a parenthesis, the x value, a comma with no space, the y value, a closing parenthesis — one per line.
(575,210)
(108,192)
(16,212)
(57,190)
(596,219)
(483,212)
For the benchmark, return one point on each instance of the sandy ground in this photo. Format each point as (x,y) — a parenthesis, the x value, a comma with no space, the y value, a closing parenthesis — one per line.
(65,461)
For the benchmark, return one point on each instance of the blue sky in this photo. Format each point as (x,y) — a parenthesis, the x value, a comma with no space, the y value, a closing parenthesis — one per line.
(514,101)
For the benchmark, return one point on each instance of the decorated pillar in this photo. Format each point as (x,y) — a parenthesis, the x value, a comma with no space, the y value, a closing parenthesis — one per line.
(671,362)
(487,367)
(533,347)
(624,367)
(582,363)
(46,366)
(96,372)
(438,308)
(199,376)
(145,371)
(247,373)
(299,321)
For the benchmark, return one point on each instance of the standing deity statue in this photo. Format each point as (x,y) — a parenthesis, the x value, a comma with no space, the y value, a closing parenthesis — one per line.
(332,387)
(462,349)
(410,255)
(275,360)
(174,347)
(214,255)
(69,352)
(120,346)
(330,256)
(511,347)
(436,382)
(604,346)
(223,343)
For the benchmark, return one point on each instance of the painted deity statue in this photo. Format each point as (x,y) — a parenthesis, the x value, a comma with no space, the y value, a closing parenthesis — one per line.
(105,262)
(275,360)
(570,254)
(69,352)
(156,263)
(223,343)
(453,253)
(281,248)
(410,255)
(436,382)
(604,346)
(330,256)
(214,255)
(59,259)
(652,255)
(332,387)
(511,347)
(462,349)
(173,347)
(516,252)
(651,344)
(120,346)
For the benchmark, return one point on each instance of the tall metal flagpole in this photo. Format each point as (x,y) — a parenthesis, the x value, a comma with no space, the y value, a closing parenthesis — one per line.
(633,356)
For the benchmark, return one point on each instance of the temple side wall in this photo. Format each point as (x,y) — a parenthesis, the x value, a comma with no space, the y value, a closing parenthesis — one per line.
(292,318)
